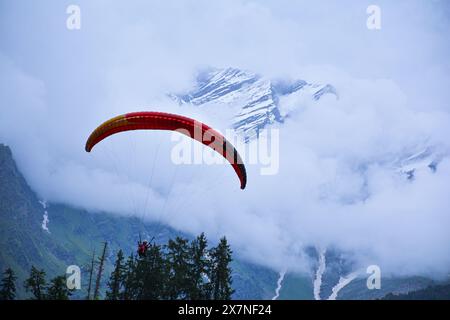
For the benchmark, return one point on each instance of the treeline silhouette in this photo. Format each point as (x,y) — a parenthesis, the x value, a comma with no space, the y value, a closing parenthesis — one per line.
(36,284)
(180,269)
(432,292)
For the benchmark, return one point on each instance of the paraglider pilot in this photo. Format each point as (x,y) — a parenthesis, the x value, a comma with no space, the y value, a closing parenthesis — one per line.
(142,248)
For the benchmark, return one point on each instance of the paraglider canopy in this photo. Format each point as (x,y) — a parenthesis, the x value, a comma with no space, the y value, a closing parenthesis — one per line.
(149,120)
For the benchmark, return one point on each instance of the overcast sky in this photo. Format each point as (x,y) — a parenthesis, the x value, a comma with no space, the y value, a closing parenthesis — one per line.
(336,186)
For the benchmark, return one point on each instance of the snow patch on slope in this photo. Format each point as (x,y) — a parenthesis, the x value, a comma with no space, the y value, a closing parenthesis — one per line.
(279,284)
(424,159)
(343,281)
(319,273)
(45,219)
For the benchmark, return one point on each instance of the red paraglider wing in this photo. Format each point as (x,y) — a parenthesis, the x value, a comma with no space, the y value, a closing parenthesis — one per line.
(148,120)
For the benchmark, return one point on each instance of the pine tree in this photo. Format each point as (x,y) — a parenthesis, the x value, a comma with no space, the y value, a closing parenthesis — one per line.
(200,286)
(152,274)
(8,285)
(179,261)
(58,289)
(36,283)
(221,272)
(117,278)
(100,271)
(129,290)
(91,273)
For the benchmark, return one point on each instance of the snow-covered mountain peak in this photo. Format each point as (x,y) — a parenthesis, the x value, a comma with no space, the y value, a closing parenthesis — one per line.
(254,99)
